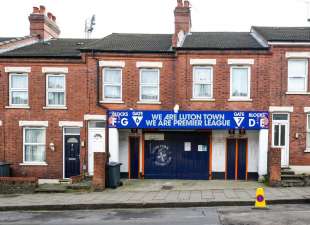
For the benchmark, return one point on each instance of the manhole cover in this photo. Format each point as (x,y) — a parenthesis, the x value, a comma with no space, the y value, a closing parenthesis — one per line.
(167,187)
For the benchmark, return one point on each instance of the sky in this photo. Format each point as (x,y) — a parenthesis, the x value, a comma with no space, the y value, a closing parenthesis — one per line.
(152,16)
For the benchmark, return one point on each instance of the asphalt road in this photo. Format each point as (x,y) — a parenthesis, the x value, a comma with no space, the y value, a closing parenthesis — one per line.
(276,215)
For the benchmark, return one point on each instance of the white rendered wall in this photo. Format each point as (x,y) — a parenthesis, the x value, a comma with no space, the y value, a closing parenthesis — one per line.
(218,150)
(123,149)
(263,149)
(252,151)
(113,145)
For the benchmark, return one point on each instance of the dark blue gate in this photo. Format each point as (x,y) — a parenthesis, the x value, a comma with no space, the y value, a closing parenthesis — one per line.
(236,163)
(134,157)
(180,156)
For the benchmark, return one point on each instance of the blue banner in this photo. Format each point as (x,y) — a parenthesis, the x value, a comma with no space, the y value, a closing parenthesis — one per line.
(131,119)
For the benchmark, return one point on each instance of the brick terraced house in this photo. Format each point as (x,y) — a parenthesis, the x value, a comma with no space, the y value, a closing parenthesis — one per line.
(187,105)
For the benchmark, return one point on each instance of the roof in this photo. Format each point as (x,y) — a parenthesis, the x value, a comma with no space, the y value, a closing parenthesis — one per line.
(5,39)
(286,34)
(221,41)
(59,48)
(117,42)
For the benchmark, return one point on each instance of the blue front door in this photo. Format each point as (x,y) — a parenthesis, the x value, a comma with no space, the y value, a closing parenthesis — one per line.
(179,156)
(72,155)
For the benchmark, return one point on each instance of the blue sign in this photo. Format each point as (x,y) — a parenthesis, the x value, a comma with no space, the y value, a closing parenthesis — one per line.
(188,119)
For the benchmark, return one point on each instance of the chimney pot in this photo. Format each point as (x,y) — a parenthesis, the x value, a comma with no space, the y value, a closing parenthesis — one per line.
(180,3)
(35,10)
(54,18)
(42,9)
(186,3)
(49,15)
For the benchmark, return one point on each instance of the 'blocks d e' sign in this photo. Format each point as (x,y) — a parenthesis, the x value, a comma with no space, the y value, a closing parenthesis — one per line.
(260,202)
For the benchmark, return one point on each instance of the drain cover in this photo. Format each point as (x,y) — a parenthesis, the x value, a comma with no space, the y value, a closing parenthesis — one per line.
(167,187)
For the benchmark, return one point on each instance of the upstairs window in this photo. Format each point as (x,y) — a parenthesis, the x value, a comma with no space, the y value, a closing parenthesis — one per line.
(202,82)
(240,82)
(56,90)
(18,89)
(112,84)
(149,85)
(297,75)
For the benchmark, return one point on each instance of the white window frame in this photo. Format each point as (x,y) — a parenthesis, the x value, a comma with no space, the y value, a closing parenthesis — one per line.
(248,97)
(33,144)
(48,90)
(149,85)
(112,84)
(307,131)
(194,83)
(11,90)
(306,76)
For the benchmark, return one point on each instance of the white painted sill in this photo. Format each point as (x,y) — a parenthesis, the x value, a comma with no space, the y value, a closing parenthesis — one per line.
(55,107)
(112,102)
(307,150)
(17,107)
(240,100)
(297,93)
(202,99)
(148,103)
(33,164)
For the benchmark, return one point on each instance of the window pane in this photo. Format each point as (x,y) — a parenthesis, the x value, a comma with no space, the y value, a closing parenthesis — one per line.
(308,122)
(112,92)
(308,140)
(56,98)
(202,90)
(97,124)
(276,135)
(279,117)
(19,98)
(202,75)
(34,136)
(19,81)
(149,93)
(56,82)
(112,76)
(297,68)
(72,131)
(296,84)
(149,77)
(239,82)
(282,135)
(34,153)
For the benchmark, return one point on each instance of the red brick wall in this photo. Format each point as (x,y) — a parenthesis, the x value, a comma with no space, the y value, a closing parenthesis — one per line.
(77,103)
(274,166)
(278,97)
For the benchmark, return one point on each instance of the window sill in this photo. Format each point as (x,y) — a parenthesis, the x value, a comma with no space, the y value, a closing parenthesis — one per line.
(55,107)
(307,150)
(149,103)
(33,164)
(17,107)
(297,93)
(112,102)
(240,100)
(202,99)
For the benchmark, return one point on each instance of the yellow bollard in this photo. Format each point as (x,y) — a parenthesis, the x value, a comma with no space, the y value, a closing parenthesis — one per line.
(260,202)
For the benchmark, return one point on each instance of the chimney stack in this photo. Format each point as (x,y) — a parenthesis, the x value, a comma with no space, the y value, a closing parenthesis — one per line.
(183,23)
(43,25)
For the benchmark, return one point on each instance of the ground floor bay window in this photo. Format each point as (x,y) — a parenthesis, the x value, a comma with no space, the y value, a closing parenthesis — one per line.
(34,144)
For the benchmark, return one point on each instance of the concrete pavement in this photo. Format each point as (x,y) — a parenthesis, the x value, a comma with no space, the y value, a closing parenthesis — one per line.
(154,194)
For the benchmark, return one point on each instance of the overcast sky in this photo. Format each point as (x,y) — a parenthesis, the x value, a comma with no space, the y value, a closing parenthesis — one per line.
(152,16)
